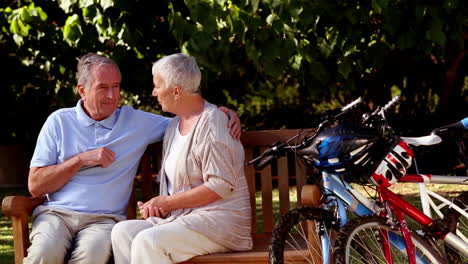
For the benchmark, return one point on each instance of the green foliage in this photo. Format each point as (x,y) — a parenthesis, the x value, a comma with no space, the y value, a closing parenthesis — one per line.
(278,63)
(72,29)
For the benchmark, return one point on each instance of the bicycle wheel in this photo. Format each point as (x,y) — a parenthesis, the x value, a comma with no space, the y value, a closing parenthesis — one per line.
(294,237)
(457,224)
(360,241)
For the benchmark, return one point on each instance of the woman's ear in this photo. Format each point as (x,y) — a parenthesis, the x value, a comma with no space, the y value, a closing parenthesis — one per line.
(177,91)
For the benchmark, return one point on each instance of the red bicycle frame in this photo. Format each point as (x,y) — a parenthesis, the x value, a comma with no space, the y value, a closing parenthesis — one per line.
(399,208)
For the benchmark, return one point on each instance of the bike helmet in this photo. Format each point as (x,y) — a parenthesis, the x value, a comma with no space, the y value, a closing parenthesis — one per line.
(345,149)
(393,166)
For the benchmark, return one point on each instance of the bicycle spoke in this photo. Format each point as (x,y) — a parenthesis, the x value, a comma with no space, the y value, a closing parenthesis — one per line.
(362,240)
(364,246)
(293,239)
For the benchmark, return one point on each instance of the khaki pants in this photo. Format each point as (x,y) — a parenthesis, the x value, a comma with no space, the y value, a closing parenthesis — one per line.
(58,235)
(141,242)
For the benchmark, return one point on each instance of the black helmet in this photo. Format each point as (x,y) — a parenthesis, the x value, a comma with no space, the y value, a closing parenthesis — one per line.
(344,149)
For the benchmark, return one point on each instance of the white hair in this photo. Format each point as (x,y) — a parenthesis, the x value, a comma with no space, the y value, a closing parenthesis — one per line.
(86,64)
(179,69)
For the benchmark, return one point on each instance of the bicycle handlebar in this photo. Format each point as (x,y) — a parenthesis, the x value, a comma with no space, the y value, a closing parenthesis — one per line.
(392,103)
(457,130)
(271,154)
(264,161)
(277,150)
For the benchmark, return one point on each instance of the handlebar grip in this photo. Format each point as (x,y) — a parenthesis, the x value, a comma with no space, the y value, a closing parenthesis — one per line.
(464,121)
(455,131)
(265,161)
(347,107)
(392,103)
(351,105)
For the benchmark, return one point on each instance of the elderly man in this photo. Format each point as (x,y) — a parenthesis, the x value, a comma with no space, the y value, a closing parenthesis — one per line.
(85,161)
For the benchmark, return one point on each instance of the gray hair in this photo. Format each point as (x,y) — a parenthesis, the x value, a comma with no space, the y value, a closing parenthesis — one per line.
(85,65)
(179,69)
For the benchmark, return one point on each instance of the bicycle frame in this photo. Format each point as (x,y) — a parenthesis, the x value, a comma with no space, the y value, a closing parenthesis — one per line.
(426,200)
(399,207)
(353,201)
(422,179)
(348,199)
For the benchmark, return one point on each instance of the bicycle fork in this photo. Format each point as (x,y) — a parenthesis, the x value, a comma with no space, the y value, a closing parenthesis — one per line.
(340,197)
(406,234)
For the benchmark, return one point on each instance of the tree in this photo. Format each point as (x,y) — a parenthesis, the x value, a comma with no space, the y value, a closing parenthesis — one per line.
(279,63)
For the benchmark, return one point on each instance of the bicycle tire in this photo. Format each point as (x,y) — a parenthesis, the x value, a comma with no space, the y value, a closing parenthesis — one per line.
(455,221)
(355,243)
(290,235)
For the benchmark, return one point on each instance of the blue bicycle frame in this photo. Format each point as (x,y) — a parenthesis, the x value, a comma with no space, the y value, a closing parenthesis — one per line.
(335,187)
(340,194)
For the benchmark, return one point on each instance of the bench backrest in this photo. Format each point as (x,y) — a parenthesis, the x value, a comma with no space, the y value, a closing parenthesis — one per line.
(273,182)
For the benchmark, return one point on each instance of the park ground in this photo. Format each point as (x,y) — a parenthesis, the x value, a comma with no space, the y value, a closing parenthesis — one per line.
(409,191)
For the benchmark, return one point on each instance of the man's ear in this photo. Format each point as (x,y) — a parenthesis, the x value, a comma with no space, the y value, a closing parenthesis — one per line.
(81,90)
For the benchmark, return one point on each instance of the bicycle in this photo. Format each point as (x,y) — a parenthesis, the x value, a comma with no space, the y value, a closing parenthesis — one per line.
(338,196)
(365,238)
(453,211)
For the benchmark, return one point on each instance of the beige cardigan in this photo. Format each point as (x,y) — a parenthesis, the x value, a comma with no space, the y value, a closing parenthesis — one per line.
(213,158)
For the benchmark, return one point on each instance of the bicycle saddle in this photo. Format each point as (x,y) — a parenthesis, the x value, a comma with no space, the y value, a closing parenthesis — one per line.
(422,141)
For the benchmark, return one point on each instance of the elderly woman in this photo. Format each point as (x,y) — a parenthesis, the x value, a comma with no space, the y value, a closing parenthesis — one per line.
(203,206)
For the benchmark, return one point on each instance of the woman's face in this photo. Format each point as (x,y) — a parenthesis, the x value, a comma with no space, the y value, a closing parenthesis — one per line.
(164,94)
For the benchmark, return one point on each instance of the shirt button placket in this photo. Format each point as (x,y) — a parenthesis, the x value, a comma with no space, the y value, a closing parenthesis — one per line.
(98,132)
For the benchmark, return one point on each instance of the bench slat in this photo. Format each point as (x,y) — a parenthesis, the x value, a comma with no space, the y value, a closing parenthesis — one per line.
(267,137)
(283,184)
(267,198)
(300,180)
(258,255)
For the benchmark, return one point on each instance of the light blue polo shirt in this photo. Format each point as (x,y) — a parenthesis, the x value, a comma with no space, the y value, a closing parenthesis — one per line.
(70,131)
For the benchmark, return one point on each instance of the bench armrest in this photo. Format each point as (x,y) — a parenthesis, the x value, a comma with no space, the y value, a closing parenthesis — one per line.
(19,208)
(20,205)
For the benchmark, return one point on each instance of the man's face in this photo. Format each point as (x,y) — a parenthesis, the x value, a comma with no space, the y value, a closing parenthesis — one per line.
(100,99)
(163,93)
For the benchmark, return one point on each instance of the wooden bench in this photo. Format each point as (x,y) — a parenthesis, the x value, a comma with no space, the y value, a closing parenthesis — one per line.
(285,174)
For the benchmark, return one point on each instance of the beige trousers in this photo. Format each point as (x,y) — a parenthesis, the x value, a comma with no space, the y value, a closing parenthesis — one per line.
(59,235)
(141,242)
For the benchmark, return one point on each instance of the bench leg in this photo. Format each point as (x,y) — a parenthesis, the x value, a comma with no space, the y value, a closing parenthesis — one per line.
(20,237)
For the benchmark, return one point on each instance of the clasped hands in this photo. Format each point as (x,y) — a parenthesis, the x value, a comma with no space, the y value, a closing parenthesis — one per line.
(156,207)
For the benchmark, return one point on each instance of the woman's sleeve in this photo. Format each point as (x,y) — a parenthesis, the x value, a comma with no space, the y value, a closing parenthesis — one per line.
(222,157)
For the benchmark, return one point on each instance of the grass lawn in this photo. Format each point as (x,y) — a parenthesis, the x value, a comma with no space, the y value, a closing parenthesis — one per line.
(409,191)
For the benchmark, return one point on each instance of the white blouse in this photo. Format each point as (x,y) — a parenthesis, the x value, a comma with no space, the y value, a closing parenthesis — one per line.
(172,159)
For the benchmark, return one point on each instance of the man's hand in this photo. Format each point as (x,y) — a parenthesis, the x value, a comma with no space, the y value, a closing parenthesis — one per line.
(156,207)
(234,122)
(97,157)
(43,180)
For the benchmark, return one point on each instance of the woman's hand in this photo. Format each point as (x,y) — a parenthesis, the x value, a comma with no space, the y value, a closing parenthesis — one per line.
(156,207)
(161,206)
